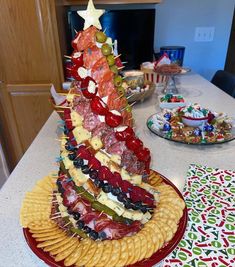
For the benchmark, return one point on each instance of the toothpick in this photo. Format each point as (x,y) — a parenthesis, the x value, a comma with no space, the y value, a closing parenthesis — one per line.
(117,56)
(61,106)
(132,104)
(129,96)
(119,97)
(75,31)
(60,111)
(56,217)
(124,62)
(67,56)
(104,30)
(120,68)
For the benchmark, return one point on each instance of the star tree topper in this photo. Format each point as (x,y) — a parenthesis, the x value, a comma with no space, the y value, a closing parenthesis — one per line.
(91,16)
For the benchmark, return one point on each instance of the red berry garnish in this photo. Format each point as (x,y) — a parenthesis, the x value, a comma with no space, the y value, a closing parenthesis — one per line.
(83,152)
(89,87)
(134,144)
(143,154)
(127,133)
(94,163)
(113,118)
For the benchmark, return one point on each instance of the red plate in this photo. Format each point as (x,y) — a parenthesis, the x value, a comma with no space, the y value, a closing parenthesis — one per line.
(154,259)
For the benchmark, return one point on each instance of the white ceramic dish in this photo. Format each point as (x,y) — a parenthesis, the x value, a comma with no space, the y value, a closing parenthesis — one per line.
(194,122)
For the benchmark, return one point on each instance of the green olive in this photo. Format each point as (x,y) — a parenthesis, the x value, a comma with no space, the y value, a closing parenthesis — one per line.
(114,69)
(118,80)
(111,60)
(121,90)
(101,37)
(106,49)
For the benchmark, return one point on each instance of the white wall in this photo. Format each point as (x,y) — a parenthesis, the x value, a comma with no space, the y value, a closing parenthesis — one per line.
(175,25)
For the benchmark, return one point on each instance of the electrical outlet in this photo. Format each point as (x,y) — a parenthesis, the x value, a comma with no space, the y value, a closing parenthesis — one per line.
(204,34)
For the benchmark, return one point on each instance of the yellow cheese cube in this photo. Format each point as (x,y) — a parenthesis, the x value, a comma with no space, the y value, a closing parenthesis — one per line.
(103,158)
(78,176)
(96,143)
(81,134)
(136,179)
(125,175)
(116,158)
(76,119)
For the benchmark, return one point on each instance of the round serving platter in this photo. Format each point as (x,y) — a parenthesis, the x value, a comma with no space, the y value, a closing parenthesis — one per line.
(163,135)
(157,257)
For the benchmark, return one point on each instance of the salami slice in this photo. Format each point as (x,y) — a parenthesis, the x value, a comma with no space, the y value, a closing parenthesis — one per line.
(117,148)
(91,121)
(91,56)
(127,118)
(86,38)
(106,85)
(99,69)
(115,101)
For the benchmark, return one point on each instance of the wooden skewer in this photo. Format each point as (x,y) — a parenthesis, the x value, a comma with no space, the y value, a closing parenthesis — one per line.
(61,106)
(132,104)
(56,217)
(117,56)
(119,97)
(60,111)
(129,96)
(67,56)
(120,68)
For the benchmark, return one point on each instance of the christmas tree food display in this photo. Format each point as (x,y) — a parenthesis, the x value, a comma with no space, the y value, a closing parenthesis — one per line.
(104,207)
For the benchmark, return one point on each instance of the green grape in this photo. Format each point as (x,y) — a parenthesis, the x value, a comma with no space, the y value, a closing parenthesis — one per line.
(121,90)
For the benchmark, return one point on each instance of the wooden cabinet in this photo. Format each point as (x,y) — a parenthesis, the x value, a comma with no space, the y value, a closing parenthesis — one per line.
(30,62)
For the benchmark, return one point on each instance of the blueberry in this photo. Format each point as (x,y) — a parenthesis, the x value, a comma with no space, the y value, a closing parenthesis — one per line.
(85,169)
(93,174)
(80,224)
(128,221)
(78,162)
(69,147)
(138,204)
(72,156)
(102,235)
(107,188)
(122,197)
(93,234)
(76,216)
(115,191)
(87,229)
(127,204)
(144,209)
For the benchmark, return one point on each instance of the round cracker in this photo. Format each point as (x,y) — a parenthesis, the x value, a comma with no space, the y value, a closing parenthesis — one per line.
(150,242)
(90,253)
(124,253)
(137,248)
(51,242)
(131,250)
(106,254)
(60,245)
(74,256)
(62,248)
(144,246)
(116,253)
(63,255)
(96,257)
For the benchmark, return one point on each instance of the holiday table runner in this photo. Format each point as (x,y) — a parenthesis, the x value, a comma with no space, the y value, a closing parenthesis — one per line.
(209,240)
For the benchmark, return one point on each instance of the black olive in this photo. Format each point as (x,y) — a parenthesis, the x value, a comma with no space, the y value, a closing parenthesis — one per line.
(69,147)
(85,169)
(87,229)
(72,156)
(115,191)
(93,174)
(107,188)
(78,162)
(76,216)
(122,197)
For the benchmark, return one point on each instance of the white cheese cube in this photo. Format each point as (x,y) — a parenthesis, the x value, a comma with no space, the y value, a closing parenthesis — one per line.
(116,158)
(79,177)
(136,179)
(125,175)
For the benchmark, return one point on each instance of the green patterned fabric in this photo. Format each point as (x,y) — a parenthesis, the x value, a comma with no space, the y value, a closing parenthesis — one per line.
(209,240)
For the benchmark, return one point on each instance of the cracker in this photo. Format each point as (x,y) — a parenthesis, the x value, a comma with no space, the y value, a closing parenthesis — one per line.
(123,258)
(63,255)
(106,254)
(82,261)
(96,257)
(116,253)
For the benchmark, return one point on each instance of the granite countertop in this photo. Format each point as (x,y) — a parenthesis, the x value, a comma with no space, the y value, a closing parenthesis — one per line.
(169,158)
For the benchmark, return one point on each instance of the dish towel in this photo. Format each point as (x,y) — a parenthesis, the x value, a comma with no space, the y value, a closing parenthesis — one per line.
(209,240)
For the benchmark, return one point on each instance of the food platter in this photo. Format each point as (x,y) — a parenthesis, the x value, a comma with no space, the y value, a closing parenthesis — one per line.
(154,259)
(164,135)
(134,96)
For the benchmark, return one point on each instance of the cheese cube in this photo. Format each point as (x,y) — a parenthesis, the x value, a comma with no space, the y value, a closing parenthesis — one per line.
(119,209)
(116,158)
(76,119)
(127,214)
(125,175)
(67,162)
(102,197)
(79,177)
(96,143)
(136,215)
(103,158)
(81,134)
(136,179)
(146,217)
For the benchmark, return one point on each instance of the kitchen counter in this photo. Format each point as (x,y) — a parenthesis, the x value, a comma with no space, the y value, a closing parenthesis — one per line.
(169,158)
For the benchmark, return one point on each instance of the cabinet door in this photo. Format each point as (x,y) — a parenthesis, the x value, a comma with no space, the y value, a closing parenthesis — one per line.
(26,108)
